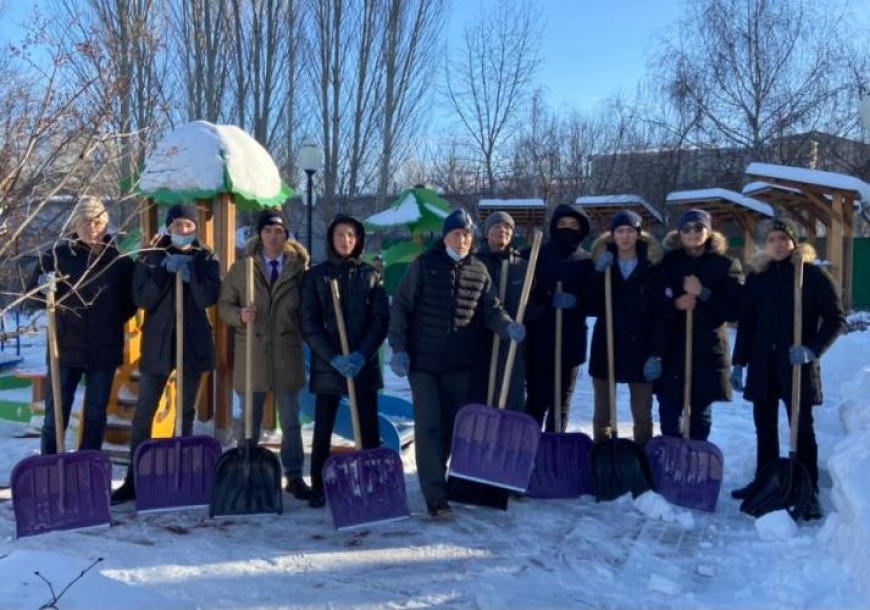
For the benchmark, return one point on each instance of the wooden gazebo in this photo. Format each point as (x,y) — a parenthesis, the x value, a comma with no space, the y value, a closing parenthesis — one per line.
(813,197)
(601,208)
(528,214)
(725,206)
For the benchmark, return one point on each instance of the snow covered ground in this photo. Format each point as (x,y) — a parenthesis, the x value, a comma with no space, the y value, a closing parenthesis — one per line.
(622,554)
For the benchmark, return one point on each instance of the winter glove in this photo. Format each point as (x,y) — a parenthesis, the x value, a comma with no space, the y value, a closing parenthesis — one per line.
(800,354)
(652,368)
(400,362)
(178,263)
(355,363)
(737,377)
(604,261)
(47,282)
(564,300)
(515,332)
(339,363)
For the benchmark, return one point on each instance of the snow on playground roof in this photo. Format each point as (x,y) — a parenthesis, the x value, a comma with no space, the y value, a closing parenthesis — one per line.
(511,203)
(685,197)
(754,187)
(592,201)
(200,160)
(811,176)
(406,212)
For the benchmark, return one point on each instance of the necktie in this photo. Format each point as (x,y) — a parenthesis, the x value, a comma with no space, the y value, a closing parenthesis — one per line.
(274,274)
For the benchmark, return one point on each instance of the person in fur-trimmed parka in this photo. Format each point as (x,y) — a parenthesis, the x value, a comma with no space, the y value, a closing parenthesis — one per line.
(765,344)
(633,256)
(696,275)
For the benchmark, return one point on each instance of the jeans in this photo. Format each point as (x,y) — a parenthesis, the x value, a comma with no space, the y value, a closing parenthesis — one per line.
(641,410)
(98,389)
(292,452)
(671,412)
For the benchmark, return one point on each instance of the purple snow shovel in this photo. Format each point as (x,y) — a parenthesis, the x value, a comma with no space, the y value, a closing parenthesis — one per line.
(175,473)
(495,446)
(363,487)
(686,472)
(563,466)
(62,491)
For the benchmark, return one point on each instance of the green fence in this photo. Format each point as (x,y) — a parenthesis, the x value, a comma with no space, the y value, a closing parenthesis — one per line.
(861,273)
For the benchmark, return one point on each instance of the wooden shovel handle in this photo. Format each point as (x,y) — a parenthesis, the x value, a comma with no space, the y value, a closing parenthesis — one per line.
(179,353)
(557,374)
(611,371)
(54,371)
(797,339)
(345,349)
(496,340)
(249,350)
(687,374)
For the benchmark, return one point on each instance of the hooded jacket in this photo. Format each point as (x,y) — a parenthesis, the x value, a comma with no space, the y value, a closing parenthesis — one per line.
(633,310)
(277,362)
(766,327)
(365,309)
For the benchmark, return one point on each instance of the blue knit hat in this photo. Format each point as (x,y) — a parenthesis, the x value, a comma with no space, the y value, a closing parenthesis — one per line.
(626,218)
(458,219)
(699,216)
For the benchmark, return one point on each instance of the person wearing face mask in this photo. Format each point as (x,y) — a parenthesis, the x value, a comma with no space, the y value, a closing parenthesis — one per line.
(366,313)
(696,275)
(176,252)
(562,259)
(441,322)
(277,365)
(765,345)
(95,300)
(499,231)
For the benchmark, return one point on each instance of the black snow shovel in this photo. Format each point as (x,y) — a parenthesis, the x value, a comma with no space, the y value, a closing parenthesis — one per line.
(619,465)
(247,479)
(687,472)
(363,487)
(65,491)
(784,484)
(176,473)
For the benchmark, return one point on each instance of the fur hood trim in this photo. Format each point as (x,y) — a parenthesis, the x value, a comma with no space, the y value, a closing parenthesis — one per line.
(653,248)
(716,243)
(761,260)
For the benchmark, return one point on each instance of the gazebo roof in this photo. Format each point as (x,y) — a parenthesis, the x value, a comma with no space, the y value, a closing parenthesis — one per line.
(721,202)
(525,212)
(809,179)
(600,208)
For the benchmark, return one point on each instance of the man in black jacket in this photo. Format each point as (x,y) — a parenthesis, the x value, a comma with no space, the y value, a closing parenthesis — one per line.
(765,345)
(94,302)
(366,313)
(441,320)
(177,252)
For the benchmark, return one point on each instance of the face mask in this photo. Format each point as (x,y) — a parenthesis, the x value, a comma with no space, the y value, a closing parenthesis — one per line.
(568,237)
(454,254)
(182,241)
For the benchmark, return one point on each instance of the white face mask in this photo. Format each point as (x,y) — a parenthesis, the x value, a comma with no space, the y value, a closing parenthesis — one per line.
(454,254)
(182,241)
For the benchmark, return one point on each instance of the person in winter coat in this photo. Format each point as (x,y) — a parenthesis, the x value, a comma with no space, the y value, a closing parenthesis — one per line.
(366,314)
(561,259)
(633,257)
(94,301)
(277,363)
(441,322)
(765,345)
(177,252)
(499,231)
(696,275)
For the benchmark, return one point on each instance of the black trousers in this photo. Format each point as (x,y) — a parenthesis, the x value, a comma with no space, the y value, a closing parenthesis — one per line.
(766,414)
(540,390)
(325,410)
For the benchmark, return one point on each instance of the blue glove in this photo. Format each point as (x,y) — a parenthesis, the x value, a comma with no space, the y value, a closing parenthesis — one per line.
(339,363)
(604,261)
(354,364)
(516,332)
(737,377)
(178,263)
(400,362)
(652,368)
(564,300)
(800,354)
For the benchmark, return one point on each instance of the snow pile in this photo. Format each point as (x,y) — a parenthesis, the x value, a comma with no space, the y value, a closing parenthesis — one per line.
(655,506)
(777,525)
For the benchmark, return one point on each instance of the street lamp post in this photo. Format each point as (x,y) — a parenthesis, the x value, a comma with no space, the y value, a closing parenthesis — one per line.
(310,160)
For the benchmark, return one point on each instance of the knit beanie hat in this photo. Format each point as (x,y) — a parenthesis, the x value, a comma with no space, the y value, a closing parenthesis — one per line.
(180,210)
(783,225)
(458,219)
(626,218)
(497,217)
(271,217)
(699,216)
(89,208)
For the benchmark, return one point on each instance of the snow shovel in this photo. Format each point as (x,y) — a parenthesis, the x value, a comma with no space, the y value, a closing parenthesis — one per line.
(619,465)
(363,487)
(785,483)
(496,340)
(495,446)
(687,472)
(175,473)
(62,491)
(247,479)
(563,467)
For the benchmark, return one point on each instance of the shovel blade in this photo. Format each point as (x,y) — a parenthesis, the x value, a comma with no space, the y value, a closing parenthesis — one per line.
(620,466)
(464,491)
(173,473)
(782,485)
(563,467)
(247,481)
(66,491)
(686,472)
(494,446)
(365,488)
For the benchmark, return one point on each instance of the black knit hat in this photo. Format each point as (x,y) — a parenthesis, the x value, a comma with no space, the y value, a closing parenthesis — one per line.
(626,218)
(783,225)
(699,216)
(271,216)
(458,219)
(180,211)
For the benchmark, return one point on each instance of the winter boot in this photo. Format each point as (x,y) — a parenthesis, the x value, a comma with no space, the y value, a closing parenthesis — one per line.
(813,509)
(125,493)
